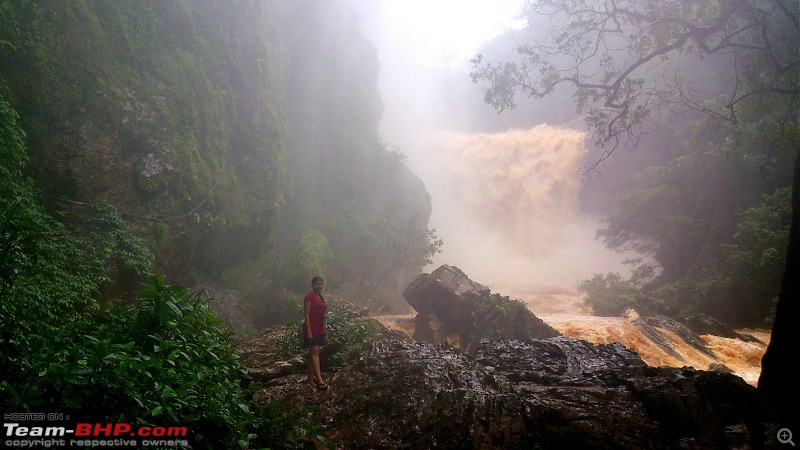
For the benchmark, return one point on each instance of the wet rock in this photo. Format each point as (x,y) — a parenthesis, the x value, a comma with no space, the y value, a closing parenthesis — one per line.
(264,362)
(291,366)
(277,369)
(719,367)
(451,307)
(652,327)
(501,391)
(705,324)
(549,393)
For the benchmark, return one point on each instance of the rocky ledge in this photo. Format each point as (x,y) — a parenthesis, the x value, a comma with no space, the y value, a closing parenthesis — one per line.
(520,393)
(547,393)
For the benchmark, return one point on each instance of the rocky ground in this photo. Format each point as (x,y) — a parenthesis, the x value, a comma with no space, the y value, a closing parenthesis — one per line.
(545,392)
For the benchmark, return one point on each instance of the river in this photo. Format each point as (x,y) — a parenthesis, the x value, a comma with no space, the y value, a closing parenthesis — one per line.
(564,310)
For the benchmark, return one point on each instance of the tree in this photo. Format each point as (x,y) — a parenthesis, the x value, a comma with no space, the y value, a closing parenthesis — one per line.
(616,55)
(612,53)
(383,244)
(744,278)
(609,294)
(714,228)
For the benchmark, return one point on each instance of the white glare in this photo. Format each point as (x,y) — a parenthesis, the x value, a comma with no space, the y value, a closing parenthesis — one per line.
(446,31)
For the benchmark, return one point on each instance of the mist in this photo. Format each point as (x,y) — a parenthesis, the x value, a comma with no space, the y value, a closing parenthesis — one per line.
(505,191)
(172,175)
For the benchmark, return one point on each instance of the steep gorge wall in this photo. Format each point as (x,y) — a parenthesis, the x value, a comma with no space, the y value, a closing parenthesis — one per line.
(150,106)
(190,117)
(344,176)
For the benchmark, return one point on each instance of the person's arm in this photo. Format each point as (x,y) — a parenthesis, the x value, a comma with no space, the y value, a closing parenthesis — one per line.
(324,319)
(307,323)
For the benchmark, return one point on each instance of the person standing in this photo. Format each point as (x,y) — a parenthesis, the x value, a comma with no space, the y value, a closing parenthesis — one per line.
(316,335)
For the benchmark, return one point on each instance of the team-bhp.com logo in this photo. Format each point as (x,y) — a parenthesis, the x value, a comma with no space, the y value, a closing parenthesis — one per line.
(93,434)
(95,430)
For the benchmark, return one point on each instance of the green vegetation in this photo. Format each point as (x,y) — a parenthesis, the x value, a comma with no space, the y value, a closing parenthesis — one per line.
(157,106)
(312,257)
(344,326)
(164,360)
(380,244)
(49,271)
(707,214)
(354,332)
(610,294)
(716,254)
(510,318)
(277,427)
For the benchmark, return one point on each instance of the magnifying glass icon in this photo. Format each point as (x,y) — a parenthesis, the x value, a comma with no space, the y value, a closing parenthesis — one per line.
(785,436)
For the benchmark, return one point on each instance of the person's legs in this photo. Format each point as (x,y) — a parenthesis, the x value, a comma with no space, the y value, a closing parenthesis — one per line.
(314,357)
(310,366)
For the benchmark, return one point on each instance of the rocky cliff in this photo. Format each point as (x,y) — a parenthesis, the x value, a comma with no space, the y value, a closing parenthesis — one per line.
(223,131)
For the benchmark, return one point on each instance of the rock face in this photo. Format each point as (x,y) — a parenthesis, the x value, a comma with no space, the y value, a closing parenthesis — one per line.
(649,326)
(705,324)
(551,393)
(451,308)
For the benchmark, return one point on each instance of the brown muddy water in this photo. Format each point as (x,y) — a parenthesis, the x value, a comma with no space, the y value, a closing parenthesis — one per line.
(564,310)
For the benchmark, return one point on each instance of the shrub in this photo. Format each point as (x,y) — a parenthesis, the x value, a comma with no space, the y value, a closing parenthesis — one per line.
(277,427)
(610,294)
(344,326)
(165,361)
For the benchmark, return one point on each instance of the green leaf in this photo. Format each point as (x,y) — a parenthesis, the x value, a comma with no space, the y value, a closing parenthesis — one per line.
(175,309)
(57,369)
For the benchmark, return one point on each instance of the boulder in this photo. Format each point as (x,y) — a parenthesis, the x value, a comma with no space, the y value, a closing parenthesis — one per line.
(452,308)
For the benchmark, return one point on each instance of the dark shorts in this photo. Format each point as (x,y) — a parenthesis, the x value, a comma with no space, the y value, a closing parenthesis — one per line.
(317,340)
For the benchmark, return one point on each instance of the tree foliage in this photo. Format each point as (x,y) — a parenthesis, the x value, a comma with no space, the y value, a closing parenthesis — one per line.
(352,330)
(720,82)
(615,55)
(49,271)
(383,243)
(311,258)
(713,258)
(742,278)
(161,108)
(237,126)
(610,294)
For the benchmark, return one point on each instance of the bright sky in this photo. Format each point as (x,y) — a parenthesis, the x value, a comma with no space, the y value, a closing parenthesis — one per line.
(446,31)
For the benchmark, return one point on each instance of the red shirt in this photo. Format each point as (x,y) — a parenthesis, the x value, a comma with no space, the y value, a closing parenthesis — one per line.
(317,313)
